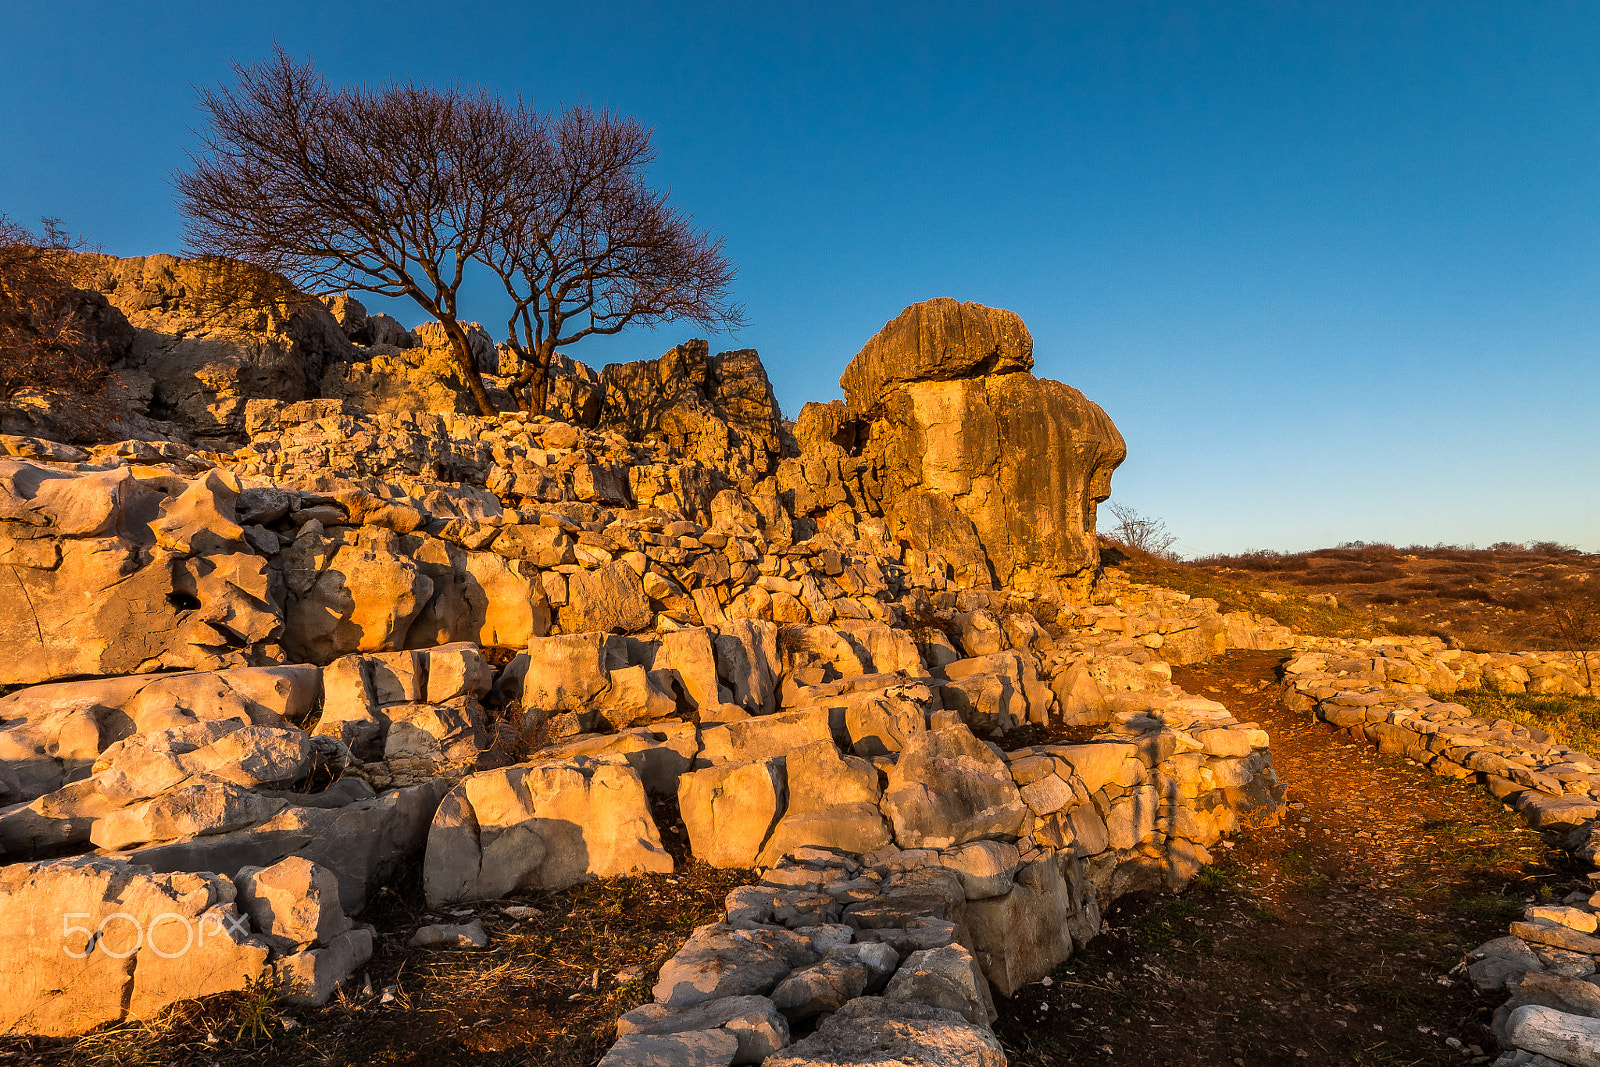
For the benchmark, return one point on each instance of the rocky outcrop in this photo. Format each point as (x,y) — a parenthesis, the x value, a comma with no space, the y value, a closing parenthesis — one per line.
(716,410)
(545,825)
(98,941)
(965,453)
(210,335)
(387,626)
(421,375)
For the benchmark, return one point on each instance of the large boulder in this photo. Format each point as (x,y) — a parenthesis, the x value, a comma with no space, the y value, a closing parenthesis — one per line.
(833,803)
(545,825)
(729,809)
(879,1031)
(350,595)
(937,341)
(95,607)
(972,457)
(88,942)
(52,734)
(948,788)
(359,837)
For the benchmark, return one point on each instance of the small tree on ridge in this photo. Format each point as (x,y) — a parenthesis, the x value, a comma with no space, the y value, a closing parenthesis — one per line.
(391,191)
(589,248)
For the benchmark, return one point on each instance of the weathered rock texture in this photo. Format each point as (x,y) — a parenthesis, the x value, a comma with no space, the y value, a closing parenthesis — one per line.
(209,335)
(705,408)
(269,667)
(966,453)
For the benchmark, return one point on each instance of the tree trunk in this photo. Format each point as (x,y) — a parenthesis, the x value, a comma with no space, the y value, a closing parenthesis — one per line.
(468,365)
(539,385)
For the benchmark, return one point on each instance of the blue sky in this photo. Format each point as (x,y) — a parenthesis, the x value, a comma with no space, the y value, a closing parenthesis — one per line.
(1333,268)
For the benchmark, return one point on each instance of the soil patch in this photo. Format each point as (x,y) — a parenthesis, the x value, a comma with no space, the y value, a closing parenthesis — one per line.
(1329,940)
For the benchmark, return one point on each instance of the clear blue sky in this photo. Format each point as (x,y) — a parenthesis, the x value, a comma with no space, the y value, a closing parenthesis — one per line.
(1333,268)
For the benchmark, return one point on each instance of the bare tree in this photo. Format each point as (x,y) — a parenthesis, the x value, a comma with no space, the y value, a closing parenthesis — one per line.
(47,342)
(1573,613)
(589,247)
(1142,532)
(393,190)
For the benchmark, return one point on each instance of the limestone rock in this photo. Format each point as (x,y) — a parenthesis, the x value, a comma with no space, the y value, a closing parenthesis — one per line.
(747,663)
(720,961)
(212,334)
(609,599)
(985,867)
(361,840)
(700,1048)
(1492,964)
(422,376)
(937,340)
(753,1021)
(718,409)
(544,825)
(825,986)
(294,901)
(349,597)
(879,1032)
(1022,936)
(833,803)
(200,807)
(976,460)
(310,977)
(660,753)
(163,937)
(1569,1039)
(729,810)
(947,978)
(948,788)
(448,935)
(96,607)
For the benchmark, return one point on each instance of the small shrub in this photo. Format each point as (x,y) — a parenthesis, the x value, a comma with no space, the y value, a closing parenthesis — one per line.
(47,341)
(1142,533)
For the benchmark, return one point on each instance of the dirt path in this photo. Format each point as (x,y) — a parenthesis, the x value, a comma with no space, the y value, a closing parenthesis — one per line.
(1326,941)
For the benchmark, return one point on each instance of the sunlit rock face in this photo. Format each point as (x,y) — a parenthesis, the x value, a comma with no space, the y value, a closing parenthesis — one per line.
(972,457)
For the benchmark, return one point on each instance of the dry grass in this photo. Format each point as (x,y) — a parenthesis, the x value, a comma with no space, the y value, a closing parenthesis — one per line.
(1233,593)
(1569,720)
(1504,598)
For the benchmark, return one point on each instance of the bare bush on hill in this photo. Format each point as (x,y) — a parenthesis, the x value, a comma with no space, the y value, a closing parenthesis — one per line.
(47,345)
(590,248)
(1573,611)
(1142,533)
(401,189)
(392,191)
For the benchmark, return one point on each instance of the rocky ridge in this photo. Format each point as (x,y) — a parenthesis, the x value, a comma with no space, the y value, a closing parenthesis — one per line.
(323,620)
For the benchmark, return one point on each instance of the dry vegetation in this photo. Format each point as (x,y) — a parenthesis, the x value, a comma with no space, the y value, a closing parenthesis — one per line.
(1504,598)
(50,341)
(1569,720)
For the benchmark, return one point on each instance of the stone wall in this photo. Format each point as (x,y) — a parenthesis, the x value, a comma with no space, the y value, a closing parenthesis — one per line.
(1380,690)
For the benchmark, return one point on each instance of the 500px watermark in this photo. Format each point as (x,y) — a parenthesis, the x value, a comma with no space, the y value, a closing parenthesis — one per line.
(119,935)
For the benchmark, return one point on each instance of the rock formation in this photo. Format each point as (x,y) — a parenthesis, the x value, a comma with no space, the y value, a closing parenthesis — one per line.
(210,335)
(250,680)
(966,453)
